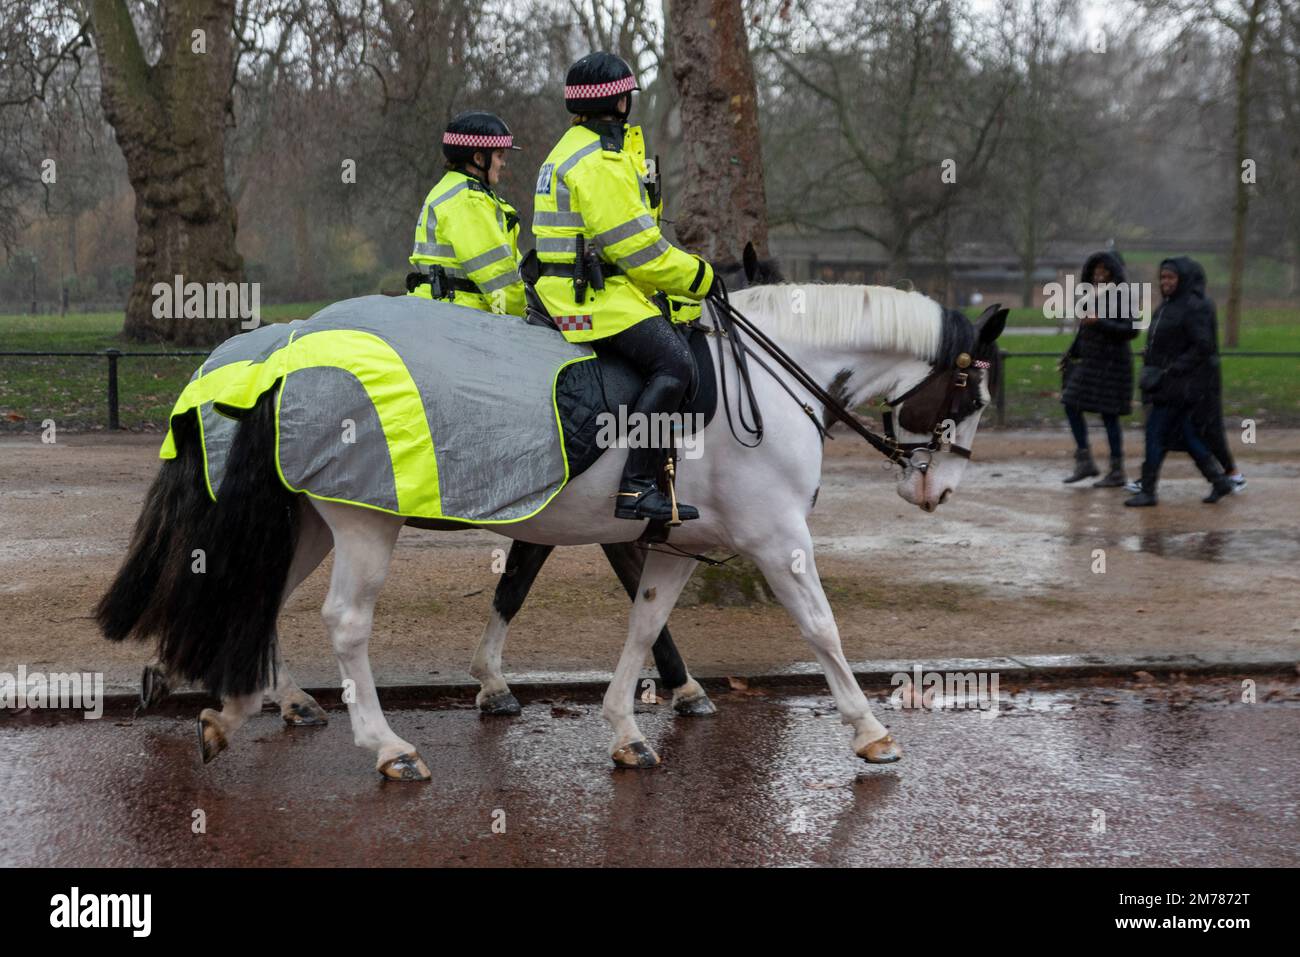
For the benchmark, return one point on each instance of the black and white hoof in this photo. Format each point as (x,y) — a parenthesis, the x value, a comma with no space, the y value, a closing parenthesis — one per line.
(304,714)
(212,740)
(154,688)
(638,754)
(503,703)
(405,767)
(698,707)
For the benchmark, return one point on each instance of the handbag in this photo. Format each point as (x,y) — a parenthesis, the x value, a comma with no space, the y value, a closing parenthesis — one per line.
(1150,378)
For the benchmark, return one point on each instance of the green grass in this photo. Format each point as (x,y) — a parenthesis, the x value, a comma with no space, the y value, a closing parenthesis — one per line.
(72,391)
(1267,390)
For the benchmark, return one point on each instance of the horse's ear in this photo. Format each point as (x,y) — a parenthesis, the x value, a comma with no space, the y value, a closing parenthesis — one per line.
(991,323)
(750,259)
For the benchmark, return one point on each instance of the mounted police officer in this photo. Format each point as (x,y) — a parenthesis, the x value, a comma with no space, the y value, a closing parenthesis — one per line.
(467,238)
(602,259)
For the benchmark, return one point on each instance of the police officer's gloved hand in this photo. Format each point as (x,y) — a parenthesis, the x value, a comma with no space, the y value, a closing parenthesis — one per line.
(717,288)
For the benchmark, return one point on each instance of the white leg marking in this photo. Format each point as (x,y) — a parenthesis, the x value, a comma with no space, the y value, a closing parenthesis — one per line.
(663,577)
(363,544)
(802,595)
(486,666)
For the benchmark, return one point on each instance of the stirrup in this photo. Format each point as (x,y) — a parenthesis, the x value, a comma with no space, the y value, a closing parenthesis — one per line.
(674,515)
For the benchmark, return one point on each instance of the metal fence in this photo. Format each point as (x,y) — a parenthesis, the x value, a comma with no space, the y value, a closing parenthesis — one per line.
(114,356)
(1000,398)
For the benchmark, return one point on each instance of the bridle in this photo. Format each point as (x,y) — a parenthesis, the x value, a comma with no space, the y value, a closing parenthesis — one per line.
(948,410)
(728,321)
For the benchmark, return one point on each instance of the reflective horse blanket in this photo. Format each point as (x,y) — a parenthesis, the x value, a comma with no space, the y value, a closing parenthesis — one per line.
(402,404)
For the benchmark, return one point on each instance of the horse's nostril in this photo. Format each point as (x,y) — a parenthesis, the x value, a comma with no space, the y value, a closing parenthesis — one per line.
(944,497)
(927,507)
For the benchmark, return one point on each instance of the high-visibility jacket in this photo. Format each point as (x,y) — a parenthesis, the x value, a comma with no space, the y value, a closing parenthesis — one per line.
(474,235)
(594,186)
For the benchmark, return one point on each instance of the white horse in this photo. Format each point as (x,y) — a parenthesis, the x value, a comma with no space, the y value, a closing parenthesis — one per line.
(856,341)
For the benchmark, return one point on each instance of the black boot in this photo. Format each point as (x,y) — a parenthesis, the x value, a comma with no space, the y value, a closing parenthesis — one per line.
(1115,477)
(1220,484)
(1084,466)
(1146,497)
(638,495)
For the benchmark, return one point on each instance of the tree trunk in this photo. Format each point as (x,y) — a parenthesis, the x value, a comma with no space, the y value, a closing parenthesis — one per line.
(1242,204)
(170,120)
(723,203)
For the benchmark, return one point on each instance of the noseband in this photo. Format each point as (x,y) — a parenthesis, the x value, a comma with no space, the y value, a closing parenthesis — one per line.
(935,411)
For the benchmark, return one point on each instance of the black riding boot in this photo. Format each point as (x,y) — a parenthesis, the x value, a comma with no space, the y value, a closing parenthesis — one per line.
(1084,466)
(1220,484)
(1147,496)
(661,353)
(638,495)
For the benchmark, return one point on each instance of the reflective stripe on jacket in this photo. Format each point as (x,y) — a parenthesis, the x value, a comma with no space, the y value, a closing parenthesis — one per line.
(595,189)
(474,235)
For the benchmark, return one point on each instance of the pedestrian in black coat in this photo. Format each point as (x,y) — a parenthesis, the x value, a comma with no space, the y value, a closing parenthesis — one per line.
(1097,371)
(1176,364)
(1207,413)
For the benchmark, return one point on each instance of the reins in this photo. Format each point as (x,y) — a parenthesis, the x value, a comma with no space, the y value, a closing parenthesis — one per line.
(728,319)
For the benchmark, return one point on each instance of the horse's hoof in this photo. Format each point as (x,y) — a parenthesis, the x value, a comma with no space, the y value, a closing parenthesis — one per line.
(304,714)
(153,688)
(212,740)
(503,703)
(698,707)
(405,767)
(638,754)
(881,751)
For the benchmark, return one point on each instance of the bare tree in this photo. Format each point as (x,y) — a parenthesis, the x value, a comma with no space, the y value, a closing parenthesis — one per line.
(724,203)
(1038,190)
(1241,19)
(170,117)
(1280,107)
(888,114)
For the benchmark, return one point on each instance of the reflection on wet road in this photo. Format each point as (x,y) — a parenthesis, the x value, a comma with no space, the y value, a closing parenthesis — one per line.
(1165,773)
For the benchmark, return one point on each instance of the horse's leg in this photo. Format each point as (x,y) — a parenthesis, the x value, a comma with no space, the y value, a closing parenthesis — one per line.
(155,686)
(800,591)
(216,728)
(297,707)
(363,548)
(689,698)
(522,565)
(662,581)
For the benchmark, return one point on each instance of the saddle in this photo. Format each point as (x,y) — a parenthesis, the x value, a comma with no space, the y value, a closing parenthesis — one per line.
(586,391)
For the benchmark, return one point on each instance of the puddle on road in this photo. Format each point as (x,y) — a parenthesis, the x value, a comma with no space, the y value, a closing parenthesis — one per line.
(1253,545)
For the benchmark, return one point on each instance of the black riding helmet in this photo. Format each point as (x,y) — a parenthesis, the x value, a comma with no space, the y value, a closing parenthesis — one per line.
(595,83)
(475,132)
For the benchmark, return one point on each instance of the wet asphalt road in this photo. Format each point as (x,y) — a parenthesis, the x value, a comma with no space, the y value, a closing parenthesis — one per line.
(1181,774)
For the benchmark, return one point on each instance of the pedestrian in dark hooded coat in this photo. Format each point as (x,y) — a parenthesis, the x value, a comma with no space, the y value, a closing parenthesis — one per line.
(1097,373)
(1207,413)
(1176,362)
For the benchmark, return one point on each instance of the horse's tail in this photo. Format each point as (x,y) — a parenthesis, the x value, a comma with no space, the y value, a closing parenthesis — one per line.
(206,578)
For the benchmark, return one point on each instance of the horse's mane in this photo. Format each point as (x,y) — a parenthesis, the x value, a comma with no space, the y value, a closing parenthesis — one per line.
(875,318)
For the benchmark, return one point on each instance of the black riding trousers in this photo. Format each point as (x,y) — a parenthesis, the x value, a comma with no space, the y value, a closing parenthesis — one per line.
(663,358)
